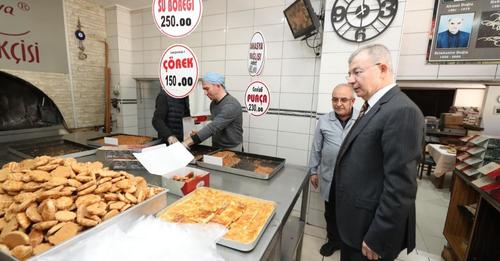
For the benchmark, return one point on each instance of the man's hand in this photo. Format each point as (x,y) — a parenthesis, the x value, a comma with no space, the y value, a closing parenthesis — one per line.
(314,180)
(172,139)
(368,252)
(185,144)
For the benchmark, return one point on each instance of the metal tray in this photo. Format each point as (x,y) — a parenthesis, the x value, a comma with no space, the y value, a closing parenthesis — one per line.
(95,141)
(199,150)
(123,220)
(55,148)
(246,166)
(226,242)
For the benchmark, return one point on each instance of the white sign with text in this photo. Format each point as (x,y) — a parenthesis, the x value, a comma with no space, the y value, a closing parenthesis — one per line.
(257,98)
(256,54)
(178,71)
(177,18)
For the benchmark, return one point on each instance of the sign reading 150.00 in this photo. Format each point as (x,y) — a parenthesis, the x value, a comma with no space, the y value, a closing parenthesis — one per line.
(177,18)
(178,71)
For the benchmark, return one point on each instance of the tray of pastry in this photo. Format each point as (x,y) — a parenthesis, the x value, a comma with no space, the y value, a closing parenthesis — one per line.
(51,147)
(246,218)
(49,204)
(125,139)
(245,164)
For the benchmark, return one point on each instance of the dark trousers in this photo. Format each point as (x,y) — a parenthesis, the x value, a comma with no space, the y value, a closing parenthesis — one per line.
(332,232)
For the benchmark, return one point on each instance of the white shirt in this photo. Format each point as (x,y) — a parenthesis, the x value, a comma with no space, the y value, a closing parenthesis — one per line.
(376,96)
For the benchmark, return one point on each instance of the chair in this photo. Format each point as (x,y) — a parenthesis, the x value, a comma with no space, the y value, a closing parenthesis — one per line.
(426,161)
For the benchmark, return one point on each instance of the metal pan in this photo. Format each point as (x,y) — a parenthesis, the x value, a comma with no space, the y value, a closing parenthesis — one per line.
(246,167)
(99,141)
(199,150)
(55,148)
(226,242)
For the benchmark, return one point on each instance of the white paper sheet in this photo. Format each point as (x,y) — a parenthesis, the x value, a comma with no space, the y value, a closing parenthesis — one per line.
(162,160)
(110,141)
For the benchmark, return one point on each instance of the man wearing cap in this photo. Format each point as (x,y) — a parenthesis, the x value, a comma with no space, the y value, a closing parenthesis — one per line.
(227,116)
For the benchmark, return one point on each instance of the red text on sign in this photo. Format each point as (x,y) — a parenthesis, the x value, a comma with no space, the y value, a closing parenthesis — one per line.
(172,63)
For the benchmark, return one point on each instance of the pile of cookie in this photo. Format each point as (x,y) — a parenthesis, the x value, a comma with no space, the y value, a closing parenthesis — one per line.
(45,201)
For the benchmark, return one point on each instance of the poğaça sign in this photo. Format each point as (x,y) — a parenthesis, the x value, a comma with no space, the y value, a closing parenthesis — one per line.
(257,98)
(178,71)
(177,18)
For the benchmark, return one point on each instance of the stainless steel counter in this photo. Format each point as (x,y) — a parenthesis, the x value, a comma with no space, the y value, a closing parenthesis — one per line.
(284,188)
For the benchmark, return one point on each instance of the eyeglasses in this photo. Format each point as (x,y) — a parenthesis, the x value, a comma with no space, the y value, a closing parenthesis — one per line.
(358,71)
(342,100)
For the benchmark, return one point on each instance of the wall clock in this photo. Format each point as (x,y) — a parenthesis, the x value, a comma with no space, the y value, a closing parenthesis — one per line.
(362,20)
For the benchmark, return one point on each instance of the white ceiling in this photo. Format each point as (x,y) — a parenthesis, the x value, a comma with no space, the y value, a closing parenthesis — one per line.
(130,4)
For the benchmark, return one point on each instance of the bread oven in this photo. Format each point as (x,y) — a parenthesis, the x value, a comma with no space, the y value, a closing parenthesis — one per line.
(30,122)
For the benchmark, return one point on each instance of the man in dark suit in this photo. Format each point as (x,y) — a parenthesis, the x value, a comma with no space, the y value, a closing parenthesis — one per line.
(453,37)
(376,169)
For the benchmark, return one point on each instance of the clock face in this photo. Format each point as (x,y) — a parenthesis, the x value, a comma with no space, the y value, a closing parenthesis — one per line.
(362,20)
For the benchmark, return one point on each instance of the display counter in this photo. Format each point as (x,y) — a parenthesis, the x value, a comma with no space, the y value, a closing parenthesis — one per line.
(284,189)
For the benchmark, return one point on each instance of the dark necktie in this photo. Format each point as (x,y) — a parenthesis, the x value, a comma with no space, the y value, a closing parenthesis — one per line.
(363,110)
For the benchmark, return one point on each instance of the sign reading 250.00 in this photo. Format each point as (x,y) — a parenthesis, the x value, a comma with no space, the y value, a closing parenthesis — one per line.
(178,71)
(177,18)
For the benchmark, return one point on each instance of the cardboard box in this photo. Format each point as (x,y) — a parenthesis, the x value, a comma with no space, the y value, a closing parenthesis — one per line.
(180,188)
(452,119)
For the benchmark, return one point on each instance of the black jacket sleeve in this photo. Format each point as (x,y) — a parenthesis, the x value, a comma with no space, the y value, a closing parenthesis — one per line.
(160,115)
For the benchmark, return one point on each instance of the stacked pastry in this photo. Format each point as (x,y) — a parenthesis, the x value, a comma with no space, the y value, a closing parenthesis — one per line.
(45,201)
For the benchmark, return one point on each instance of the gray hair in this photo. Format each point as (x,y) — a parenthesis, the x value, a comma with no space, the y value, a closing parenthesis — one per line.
(338,86)
(377,53)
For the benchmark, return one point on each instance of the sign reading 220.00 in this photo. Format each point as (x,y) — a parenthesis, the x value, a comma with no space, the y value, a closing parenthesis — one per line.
(178,71)
(177,18)
(257,98)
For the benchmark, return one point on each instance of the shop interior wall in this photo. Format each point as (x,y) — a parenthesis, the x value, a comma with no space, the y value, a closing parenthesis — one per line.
(220,42)
(86,81)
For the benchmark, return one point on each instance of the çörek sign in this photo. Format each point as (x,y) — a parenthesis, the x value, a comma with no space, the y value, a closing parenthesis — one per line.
(257,98)
(177,18)
(178,71)
(256,54)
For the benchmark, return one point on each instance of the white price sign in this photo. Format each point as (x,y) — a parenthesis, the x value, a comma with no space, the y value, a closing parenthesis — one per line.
(257,98)
(177,18)
(178,71)
(256,54)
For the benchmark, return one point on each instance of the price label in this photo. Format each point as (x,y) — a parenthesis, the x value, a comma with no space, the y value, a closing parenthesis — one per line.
(256,54)
(257,98)
(177,18)
(178,71)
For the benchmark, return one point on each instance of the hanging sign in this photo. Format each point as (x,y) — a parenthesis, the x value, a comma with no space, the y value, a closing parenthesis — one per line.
(178,71)
(257,98)
(256,54)
(177,18)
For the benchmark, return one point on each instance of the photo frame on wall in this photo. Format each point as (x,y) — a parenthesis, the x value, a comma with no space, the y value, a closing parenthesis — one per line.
(465,31)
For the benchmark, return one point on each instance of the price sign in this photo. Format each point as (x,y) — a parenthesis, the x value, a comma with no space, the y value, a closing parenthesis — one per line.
(177,18)
(178,71)
(257,98)
(256,54)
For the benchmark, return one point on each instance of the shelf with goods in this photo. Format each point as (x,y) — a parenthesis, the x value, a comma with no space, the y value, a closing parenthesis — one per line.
(474,210)
(472,228)
(470,157)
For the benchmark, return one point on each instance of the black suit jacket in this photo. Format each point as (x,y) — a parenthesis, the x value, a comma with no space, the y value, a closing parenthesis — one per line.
(375,177)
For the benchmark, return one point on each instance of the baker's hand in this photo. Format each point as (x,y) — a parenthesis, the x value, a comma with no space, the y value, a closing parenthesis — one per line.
(172,139)
(314,180)
(193,133)
(184,143)
(368,252)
